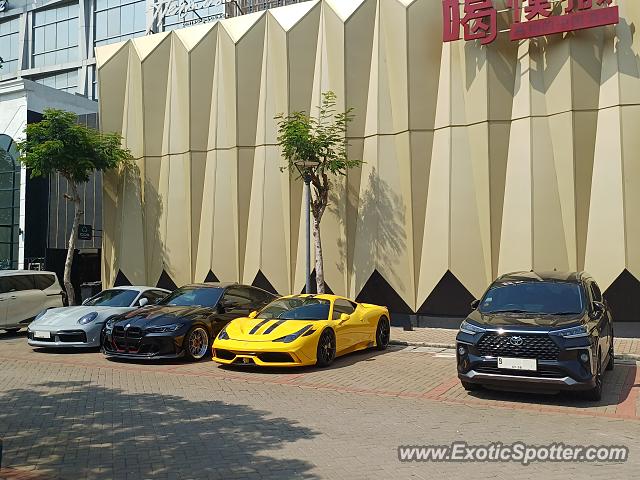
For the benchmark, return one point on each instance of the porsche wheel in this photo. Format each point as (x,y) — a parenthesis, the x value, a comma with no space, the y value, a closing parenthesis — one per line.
(196,343)
(383,334)
(326,348)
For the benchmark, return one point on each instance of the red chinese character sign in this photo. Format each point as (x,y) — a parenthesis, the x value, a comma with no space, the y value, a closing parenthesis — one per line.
(531,18)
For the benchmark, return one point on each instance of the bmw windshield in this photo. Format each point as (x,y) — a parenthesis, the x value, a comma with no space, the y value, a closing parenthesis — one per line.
(193,297)
(545,298)
(297,308)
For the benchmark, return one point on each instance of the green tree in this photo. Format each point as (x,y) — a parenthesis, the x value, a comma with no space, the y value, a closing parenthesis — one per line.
(59,144)
(319,141)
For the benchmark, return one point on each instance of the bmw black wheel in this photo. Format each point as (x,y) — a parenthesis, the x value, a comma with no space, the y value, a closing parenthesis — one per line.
(196,343)
(326,348)
(383,333)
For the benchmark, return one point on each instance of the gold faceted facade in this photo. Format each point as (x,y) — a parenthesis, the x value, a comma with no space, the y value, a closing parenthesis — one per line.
(479,160)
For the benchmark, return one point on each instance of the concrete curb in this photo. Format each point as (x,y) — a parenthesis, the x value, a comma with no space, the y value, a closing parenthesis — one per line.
(620,356)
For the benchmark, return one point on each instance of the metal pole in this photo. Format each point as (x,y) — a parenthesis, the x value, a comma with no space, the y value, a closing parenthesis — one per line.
(307,201)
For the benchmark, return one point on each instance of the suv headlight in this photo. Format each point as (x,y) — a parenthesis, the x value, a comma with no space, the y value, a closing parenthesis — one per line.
(164,328)
(573,332)
(88,318)
(293,336)
(470,328)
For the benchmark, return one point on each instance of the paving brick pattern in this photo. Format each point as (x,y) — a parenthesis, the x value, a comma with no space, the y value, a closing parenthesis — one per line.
(79,415)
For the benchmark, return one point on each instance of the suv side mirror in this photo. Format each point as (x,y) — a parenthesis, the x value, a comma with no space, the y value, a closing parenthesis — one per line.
(475,304)
(598,309)
(253,314)
(143,301)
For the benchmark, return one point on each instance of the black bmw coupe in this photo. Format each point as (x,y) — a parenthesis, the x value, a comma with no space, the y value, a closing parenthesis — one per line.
(183,324)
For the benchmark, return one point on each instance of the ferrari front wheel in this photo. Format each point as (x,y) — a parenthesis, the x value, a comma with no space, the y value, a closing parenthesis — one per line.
(326,348)
(383,333)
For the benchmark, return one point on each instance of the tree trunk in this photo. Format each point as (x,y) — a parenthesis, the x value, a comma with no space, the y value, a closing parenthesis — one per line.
(68,286)
(319,263)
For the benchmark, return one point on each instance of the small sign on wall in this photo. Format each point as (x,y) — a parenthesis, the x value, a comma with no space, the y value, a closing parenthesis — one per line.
(85,232)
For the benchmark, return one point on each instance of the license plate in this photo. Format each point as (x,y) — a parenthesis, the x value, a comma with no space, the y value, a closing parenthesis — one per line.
(38,334)
(517,363)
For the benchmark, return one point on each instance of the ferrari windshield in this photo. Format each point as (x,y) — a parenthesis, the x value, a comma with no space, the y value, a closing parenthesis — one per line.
(193,297)
(547,298)
(297,308)
(113,298)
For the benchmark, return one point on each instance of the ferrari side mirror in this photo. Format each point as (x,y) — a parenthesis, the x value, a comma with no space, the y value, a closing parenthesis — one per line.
(344,317)
(253,314)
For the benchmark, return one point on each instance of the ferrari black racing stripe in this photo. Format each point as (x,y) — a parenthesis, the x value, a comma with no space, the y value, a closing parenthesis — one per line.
(257,327)
(273,326)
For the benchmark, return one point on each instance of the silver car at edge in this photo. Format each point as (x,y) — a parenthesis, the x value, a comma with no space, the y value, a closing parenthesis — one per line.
(80,326)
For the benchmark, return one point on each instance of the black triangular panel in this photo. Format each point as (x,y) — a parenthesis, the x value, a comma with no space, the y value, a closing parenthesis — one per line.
(165,282)
(622,297)
(314,287)
(121,280)
(378,291)
(448,299)
(262,282)
(211,277)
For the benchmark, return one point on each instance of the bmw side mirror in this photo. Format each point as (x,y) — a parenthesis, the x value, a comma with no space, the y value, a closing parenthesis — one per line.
(253,314)
(475,304)
(143,301)
(220,308)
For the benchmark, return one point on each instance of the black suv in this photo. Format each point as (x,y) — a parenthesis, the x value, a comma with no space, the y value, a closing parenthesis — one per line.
(537,331)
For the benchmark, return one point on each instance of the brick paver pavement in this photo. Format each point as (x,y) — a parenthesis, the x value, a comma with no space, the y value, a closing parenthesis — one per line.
(446,337)
(79,415)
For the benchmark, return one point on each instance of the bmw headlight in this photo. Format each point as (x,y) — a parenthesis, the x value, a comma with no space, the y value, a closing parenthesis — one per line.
(223,335)
(88,318)
(573,332)
(293,336)
(164,328)
(470,328)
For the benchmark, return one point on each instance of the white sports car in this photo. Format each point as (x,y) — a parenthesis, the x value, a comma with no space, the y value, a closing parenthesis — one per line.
(80,326)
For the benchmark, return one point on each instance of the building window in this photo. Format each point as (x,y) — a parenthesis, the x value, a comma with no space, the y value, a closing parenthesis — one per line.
(9,46)
(9,203)
(94,85)
(65,81)
(55,35)
(119,20)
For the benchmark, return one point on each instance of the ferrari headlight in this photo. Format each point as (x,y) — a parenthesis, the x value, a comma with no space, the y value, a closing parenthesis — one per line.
(164,328)
(470,328)
(223,335)
(88,318)
(572,332)
(293,336)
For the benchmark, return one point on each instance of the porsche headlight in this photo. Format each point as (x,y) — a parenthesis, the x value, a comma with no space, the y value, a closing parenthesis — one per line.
(572,332)
(88,318)
(470,328)
(223,335)
(293,336)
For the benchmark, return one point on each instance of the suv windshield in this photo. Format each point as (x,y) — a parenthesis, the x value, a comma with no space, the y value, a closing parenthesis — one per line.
(193,297)
(113,298)
(547,298)
(297,308)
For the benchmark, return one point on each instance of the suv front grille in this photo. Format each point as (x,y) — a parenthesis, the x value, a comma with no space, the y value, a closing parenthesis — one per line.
(540,347)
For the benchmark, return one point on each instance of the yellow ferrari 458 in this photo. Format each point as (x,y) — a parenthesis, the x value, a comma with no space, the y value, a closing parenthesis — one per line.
(302,330)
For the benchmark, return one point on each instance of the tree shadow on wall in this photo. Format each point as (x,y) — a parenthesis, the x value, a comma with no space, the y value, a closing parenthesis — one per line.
(380,229)
(76,429)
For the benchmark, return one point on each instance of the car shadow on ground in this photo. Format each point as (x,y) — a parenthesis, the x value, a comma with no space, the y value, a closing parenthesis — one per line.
(13,336)
(615,391)
(347,360)
(87,431)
